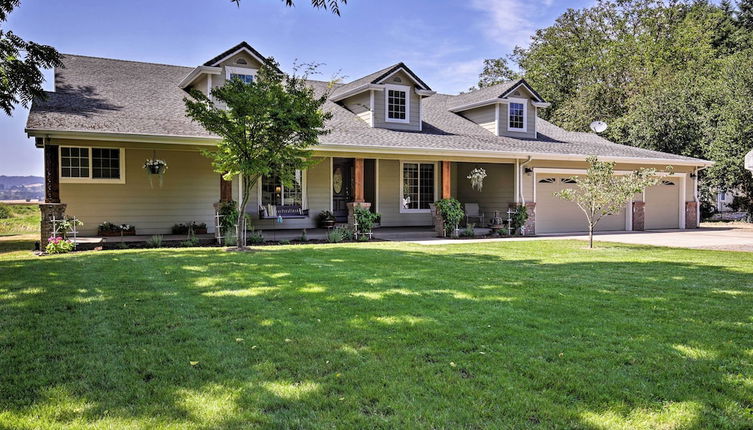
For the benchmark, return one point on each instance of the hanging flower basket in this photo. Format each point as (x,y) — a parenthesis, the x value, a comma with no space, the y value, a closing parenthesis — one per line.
(155,167)
(477,176)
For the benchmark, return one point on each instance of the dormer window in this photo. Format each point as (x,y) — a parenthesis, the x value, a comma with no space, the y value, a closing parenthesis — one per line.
(397,103)
(245,74)
(517,115)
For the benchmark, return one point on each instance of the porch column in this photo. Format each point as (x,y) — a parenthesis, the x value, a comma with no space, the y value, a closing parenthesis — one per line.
(446,175)
(358,193)
(638,216)
(226,190)
(51,208)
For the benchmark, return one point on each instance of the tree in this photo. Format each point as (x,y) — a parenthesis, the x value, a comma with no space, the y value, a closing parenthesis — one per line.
(496,71)
(601,192)
(332,5)
(267,127)
(20,65)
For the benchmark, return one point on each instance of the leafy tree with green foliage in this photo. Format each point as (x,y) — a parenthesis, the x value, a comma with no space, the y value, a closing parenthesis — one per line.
(496,71)
(600,192)
(332,5)
(21,62)
(266,127)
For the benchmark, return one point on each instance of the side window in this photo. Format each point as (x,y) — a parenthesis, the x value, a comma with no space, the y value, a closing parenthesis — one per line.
(78,164)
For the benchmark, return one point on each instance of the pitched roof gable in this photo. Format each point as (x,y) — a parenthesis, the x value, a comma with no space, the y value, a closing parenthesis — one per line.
(243,46)
(377,78)
(488,95)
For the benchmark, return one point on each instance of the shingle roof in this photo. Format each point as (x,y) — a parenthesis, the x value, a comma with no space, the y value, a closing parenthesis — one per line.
(115,96)
(489,93)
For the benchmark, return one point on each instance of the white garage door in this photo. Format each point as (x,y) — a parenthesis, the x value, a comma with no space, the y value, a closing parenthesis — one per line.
(662,210)
(556,215)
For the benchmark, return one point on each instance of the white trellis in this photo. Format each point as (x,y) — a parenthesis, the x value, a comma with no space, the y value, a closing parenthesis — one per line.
(59,227)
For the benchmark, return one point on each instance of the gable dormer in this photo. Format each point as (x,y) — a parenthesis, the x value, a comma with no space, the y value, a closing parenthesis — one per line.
(389,98)
(241,61)
(506,109)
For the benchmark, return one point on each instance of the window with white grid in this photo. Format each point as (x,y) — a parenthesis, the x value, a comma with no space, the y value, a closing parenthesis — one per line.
(418,187)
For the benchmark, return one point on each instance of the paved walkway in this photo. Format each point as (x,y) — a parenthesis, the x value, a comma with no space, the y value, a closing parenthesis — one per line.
(720,238)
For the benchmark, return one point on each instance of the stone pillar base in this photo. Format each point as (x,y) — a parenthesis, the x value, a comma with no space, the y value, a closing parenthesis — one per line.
(48,211)
(691,214)
(437,219)
(530,225)
(639,216)
(352,212)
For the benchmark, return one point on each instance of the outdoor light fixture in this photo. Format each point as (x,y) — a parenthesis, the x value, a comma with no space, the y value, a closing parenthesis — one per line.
(278,189)
(528,171)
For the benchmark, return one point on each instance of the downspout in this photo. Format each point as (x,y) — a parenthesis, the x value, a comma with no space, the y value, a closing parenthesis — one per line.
(521,169)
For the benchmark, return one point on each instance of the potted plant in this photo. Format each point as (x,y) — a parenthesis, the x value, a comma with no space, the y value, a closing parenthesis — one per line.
(197,228)
(153,166)
(326,219)
(109,229)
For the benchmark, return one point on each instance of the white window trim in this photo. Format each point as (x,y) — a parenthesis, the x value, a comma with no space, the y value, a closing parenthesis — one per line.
(400,197)
(231,70)
(404,88)
(90,179)
(304,194)
(524,102)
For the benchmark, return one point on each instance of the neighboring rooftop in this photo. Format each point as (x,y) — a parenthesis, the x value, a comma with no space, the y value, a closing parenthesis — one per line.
(108,96)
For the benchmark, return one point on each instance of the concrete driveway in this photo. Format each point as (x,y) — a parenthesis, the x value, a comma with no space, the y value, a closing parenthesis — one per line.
(730,238)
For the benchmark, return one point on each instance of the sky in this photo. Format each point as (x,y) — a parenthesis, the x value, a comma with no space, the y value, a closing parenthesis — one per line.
(443,41)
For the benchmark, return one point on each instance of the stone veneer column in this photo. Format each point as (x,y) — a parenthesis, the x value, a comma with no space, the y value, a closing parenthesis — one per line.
(530,225)
(437,219)
(638,216)
(48,211)
(352,212)
(691,214)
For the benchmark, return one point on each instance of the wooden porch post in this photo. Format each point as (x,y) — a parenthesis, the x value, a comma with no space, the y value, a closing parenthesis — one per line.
(446,190)
(51,174)
(358,193)
(226,190)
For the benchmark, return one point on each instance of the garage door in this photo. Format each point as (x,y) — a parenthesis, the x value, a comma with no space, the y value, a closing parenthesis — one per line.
(556,215)
(662,210)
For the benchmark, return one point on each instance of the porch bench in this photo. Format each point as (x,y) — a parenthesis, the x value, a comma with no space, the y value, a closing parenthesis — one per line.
(284,211)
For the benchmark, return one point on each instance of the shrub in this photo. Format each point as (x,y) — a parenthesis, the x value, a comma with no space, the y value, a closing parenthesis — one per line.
(190,242)
(154,241)
(228,212)
(469,230)
(518,219)
(58,245)
(255,237)
(284,242)
(365,219)
(451,212)
(5,212)
(335,235)
(304,236)
(230,239)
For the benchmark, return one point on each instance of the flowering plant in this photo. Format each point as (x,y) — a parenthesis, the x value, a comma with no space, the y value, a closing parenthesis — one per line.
(477,176)
(154,166)
(58,245)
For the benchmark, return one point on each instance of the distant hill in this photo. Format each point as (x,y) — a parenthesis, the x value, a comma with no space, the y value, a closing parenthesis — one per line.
(10,181)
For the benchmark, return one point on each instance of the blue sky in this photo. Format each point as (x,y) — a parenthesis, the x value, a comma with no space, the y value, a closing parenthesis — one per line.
(443,41)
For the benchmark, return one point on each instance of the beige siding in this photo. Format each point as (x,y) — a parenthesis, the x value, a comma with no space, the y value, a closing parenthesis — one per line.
(189,190)
(415,105)
(360,104)
(389,198)
(497,193)
(485,116)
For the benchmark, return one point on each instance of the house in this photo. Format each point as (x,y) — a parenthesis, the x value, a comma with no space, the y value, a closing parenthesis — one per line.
(396,146)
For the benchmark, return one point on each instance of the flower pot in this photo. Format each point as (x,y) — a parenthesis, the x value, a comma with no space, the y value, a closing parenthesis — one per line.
(114,233)
(155,169)
(327,223)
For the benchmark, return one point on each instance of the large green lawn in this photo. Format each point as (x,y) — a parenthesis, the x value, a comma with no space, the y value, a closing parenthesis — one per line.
(381,335)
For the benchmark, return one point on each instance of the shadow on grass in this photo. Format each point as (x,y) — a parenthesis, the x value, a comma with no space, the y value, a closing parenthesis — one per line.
(385,335)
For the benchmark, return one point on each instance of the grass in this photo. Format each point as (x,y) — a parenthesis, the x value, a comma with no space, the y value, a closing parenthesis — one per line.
(25,219)
(378,335)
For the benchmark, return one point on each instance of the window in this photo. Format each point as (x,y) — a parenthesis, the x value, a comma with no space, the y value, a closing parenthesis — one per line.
(417,187)
(665,182)
(91,165)
(547,181)
(243,73)
(568,181)
(517,115)
(397,103)
(273,192)
(74,162)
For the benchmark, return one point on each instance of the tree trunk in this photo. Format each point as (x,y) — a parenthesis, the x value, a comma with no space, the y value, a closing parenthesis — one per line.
(246,184)
(590,236)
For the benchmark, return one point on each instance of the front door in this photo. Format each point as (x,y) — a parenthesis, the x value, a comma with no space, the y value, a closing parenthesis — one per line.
(342,187)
